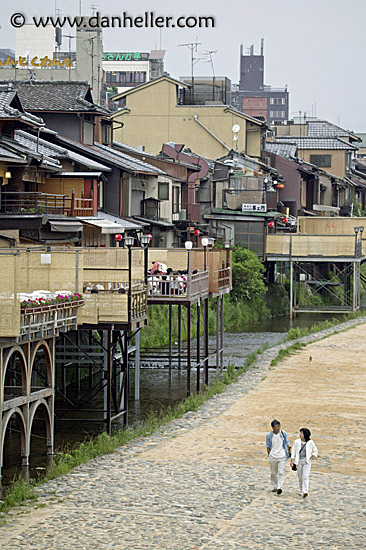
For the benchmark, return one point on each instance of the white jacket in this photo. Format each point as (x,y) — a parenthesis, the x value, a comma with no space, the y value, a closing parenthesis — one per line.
(311,450)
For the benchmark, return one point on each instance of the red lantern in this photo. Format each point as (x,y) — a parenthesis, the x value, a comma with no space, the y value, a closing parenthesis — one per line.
(149,235)
(284,219)
(271,224)
(196,232)
(118,237)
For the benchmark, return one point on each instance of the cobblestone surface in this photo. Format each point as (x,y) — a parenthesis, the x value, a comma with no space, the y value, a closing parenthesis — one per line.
(202,482)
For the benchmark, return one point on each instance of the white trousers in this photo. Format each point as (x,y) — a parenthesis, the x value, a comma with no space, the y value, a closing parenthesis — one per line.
(278,470)
(303,471)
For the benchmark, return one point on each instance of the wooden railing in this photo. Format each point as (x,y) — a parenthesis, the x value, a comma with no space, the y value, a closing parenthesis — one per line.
(48,323)
(81,207)
(224,278)
(15,202)
(108,303)
(177,287)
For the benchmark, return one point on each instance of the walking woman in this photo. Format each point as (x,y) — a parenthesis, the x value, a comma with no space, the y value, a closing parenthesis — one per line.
(303,451)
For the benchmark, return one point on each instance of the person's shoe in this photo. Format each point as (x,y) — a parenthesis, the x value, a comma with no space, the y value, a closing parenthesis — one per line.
(300,494)
(274,490)
(279,491)
(305,495)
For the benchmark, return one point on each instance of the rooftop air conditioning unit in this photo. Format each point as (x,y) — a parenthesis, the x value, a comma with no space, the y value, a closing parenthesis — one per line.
(183,214)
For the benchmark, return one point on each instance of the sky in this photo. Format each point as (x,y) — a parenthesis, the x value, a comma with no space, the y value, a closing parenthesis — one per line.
(316,47)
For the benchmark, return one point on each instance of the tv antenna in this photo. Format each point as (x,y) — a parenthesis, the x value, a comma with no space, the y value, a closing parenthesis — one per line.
(93,8)
(193,46)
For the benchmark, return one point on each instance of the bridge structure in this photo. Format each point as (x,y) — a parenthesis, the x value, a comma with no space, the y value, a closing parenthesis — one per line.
(320,263)
(89,341)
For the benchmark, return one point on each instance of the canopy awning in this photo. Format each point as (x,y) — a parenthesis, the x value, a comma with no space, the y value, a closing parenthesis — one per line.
(61,226)
(159,223)
(106,227)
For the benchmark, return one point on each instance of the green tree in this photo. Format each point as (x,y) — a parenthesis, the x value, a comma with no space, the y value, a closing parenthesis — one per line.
(248,280)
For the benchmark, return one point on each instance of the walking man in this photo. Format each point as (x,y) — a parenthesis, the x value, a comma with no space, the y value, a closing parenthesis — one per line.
(277,444)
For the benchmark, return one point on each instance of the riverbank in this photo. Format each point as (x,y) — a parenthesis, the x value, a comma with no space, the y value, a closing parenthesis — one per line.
(71,484)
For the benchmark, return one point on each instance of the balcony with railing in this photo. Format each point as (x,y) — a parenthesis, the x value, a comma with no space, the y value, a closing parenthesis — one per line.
(112,294)
(186,280)
(23,272)
(34,202)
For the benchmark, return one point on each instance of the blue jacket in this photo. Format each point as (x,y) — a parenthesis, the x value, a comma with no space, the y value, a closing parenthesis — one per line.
(284,438)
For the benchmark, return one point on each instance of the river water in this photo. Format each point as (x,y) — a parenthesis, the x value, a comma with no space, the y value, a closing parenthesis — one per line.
(159,390)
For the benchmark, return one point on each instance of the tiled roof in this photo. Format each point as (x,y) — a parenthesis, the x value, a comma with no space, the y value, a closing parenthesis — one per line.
(55,151)
(287,150)
(131,163)
(57,96)
(363,140)
(7,153)
(11,107)
(316,142)
(20,149)
(323,128)
(109,155)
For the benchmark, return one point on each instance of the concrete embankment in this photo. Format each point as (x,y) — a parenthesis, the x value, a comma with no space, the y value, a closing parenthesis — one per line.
(202,482)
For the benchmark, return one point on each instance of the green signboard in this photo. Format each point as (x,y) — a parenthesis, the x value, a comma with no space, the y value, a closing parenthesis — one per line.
(125,56)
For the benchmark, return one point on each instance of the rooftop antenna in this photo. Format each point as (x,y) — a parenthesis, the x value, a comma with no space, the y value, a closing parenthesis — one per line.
(193,47)
(69,36)
(80,7)
(262,46)
(93,8)
(209,53)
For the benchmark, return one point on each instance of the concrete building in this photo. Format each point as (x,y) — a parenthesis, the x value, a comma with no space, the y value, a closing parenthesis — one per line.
(154,114)
(125,70)
(255,98)
(39,57)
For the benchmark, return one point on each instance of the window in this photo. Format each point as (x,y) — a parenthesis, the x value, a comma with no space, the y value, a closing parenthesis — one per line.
(125,77)
(346,195)
(277,114)
(176,194)
(323,161)
(88,131)
(106,134)
(163,191)
(277,101)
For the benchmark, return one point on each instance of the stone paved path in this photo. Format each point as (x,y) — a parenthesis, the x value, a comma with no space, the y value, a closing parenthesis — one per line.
(202,482)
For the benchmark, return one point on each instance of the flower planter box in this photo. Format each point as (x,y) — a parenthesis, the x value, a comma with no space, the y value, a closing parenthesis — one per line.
(51,307)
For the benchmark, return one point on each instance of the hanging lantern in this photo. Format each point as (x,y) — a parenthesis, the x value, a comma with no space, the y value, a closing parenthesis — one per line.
(284,219)
(196,232)
(271,224)
(149,235)
(118,237)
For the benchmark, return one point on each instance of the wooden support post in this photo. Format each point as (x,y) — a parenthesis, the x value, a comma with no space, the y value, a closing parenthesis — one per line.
(189,349)
(170,341)
(78,374)
(126,377)
(137,366)
(354,305)
(222,334)
(179,336)
(206,341)
(291,289)
(109,381)
(198,380)
(103,341)
(90,339)
(217,334)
